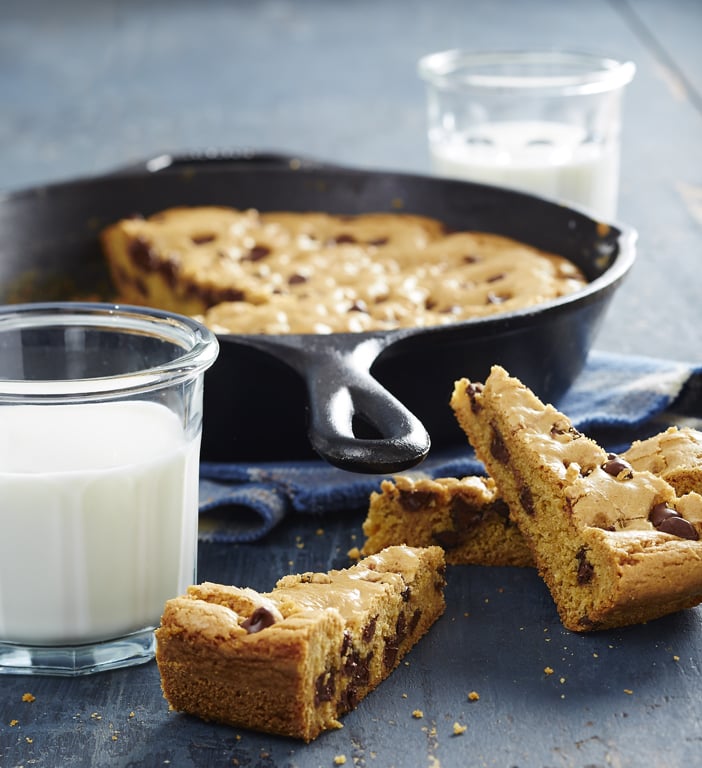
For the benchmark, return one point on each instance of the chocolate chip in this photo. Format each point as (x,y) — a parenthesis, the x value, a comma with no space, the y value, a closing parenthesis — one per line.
(585,569)
(379,241)
(470,259)
(667,520)
(346,643)
(496,278)
(390,653)
(678,526)
(142,254)
(259,619)
(414,500)
(257,253)
(205,237)
(349,698)
(369,630)
(526,499)
(324,688)
(661,512)
(447,538)
(464,512)
(473,389)
(406,594)
(416,616)
(499,507)
(401,627)
(497,446)
(296,279)
(615,465)
(343,238)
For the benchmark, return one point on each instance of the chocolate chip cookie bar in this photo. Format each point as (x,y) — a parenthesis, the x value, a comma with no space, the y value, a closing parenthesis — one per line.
(466,517)
(246,271)
(615,545)
(293,660)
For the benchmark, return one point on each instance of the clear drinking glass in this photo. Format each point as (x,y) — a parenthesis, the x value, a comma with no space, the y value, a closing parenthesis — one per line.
(100,423)
(547,122)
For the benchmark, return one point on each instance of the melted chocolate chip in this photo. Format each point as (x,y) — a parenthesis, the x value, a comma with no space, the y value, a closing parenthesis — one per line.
(296,279)
(324,688)
(678,526)
(661,512)
(464,512)
(585,569)
(526,499)
(416,616)
(615,465)
(447,539)
(205,237)
(344,238)
(390,653)
(496,278)
(473,389)
(257,253)
(142,254)
(470,259)
(379,241)
(369,630)
(401,627)
(413,501)
(497,446)
(259,619)
(346,643)
(406,594)
(668,520)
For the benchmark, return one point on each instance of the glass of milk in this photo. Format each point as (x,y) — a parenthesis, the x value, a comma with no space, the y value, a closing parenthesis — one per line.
(547,123)
(100,423)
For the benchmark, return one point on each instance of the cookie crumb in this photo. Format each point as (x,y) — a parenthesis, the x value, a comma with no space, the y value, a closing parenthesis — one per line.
(340,760)
(418,714)
(28,697)
(628,691)
(14,723)
(354,553)
(473,696)
(676,658)
(548,670)
(458,729)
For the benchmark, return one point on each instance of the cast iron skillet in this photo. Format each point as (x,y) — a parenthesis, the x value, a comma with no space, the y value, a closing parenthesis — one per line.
(369,402)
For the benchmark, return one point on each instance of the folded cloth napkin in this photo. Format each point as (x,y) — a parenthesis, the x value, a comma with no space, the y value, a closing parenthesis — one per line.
(616,399)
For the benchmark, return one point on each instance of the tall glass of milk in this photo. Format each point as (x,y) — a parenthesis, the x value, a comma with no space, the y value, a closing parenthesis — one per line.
(100,423)
(547,123)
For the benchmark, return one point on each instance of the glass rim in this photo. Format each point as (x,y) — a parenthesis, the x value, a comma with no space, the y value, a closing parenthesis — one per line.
(199,344)
(455,68)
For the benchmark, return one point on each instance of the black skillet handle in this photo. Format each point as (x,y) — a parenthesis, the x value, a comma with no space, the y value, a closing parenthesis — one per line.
(341,392)
(236,158)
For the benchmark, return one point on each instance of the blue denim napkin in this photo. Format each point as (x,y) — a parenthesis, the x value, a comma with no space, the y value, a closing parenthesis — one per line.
(616,399)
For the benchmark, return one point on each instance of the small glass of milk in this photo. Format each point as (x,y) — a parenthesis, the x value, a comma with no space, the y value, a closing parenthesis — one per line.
(100,423)
(547,123)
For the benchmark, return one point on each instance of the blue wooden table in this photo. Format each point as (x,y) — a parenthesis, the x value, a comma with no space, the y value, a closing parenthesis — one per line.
(89,86)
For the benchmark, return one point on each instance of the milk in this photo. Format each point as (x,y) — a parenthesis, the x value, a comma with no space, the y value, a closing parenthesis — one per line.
(98,519)
(549,159)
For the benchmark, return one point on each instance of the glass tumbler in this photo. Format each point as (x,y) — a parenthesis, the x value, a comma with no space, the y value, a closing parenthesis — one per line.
(548,123)
(100,423)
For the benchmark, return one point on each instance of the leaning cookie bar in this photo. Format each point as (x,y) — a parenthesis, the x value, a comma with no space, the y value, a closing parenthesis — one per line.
(293,660)
(614,545)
